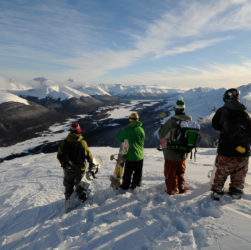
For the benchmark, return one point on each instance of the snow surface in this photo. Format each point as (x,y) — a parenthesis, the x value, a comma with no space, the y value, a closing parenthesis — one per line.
(32,208)
(53,91)
(122,110)
(8,97)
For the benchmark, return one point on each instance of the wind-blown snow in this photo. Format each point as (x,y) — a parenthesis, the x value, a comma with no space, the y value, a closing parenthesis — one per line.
(8,97)
(32,214)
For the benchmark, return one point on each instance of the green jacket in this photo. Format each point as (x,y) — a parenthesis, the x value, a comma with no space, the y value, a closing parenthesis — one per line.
(72,137)
(135,135)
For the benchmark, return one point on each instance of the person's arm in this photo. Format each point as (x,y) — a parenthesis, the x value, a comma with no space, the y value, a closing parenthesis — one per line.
(216,121)
(88,154)
(60,153)
(164,130)
(121,135)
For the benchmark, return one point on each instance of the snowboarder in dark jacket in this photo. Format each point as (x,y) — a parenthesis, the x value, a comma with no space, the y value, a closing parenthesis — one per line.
(175,161)
(234,125)
(135,135)
(73,153)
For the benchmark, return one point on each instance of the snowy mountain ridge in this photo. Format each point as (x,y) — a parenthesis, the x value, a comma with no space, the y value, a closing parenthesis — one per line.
(9,97)
(42,88)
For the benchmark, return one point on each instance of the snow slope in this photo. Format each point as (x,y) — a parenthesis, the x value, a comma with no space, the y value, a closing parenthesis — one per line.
(53,91)
(8,97)
(32,214)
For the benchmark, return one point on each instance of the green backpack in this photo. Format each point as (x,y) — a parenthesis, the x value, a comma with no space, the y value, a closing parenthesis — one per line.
(186,137)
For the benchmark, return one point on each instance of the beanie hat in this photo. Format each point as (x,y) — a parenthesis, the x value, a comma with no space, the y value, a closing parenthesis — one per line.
(133,117)
(180,105)
(75,128)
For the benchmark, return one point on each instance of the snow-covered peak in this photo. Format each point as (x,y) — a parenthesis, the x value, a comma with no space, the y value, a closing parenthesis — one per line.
(54,91)
(8,97)
(134,90)
(93,90)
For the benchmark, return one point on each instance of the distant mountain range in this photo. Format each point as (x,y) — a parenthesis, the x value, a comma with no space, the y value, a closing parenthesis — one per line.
(43,88)
(26,111)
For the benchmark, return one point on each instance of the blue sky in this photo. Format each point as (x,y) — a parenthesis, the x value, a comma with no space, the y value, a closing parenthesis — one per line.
(174,43)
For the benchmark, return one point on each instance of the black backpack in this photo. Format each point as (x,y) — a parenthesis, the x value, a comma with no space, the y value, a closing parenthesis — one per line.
(73,154)
(186,137)
(239,127)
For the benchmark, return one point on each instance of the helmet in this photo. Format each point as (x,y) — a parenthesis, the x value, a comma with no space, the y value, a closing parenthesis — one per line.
(133,117)
(231,94)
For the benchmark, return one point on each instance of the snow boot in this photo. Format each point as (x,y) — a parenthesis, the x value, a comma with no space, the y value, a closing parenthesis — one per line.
(82,194)
(235,193)
(217,194)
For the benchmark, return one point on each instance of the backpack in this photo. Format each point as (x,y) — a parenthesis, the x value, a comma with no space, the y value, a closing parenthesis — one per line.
(239,127)
(73,154)
(185,137)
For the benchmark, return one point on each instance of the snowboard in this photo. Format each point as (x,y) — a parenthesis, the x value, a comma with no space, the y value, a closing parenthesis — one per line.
(82,191)
(120,162)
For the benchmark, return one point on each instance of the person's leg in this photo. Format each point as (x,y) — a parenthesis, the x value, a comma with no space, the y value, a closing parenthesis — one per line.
(181,168)
(69,184)
(221,174)
(171,180)
(126,181)
(137,174)
(239,169)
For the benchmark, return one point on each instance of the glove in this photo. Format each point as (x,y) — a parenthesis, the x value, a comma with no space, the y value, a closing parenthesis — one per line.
(240,149)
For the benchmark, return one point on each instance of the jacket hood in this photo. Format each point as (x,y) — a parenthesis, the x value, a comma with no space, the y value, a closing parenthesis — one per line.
(71,137)
(235,105)
(135,124)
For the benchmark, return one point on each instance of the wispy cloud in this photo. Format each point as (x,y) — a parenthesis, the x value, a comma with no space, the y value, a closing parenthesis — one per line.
(74,43)
(191,22)
(195,20)
(194,46)
(216,76)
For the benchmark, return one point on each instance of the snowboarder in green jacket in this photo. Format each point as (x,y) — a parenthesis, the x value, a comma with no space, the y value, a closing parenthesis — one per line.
(135,135)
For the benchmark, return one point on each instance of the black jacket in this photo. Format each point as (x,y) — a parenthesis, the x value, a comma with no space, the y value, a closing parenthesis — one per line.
(234,125)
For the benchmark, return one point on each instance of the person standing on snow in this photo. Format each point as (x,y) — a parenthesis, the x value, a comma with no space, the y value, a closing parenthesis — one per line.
(135,135)
(175,161)
(234,125)
(73,152)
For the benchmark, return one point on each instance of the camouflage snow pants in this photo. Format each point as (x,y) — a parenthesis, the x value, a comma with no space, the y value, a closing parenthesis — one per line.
(71,180)
(236,167)
(174,172)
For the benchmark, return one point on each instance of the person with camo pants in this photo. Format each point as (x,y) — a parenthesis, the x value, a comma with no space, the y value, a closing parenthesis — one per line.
(234,125)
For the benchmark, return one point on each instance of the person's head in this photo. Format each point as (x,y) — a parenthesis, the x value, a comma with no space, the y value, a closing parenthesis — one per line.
(133,117)
(75,128)
(231,94)
(179,107)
